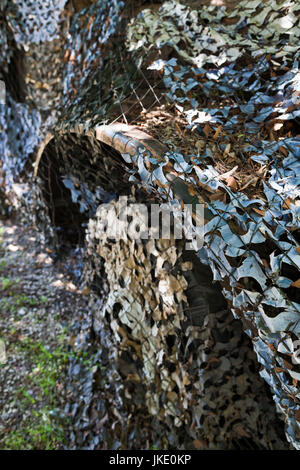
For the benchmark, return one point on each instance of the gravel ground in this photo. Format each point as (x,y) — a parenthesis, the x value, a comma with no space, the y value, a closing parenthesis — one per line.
(38,301)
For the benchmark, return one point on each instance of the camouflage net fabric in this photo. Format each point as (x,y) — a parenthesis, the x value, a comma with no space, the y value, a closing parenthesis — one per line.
(178,350)
(251,243)
(30,67)
(203,329)
(229,81)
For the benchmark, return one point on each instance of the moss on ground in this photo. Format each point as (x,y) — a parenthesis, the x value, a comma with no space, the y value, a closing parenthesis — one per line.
(33,378)
(44,425)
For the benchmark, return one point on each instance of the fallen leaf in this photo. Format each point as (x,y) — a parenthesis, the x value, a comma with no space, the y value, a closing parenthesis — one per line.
(283,150)
(232,183)
(218,196)
(199,444)
(207,130)
(216,135)
(295,383)
(258,211)
(227,149)
(86,291)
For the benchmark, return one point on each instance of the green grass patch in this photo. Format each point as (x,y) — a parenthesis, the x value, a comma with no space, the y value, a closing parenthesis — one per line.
(14,300)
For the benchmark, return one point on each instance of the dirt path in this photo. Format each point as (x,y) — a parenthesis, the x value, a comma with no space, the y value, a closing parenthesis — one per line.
(38,301)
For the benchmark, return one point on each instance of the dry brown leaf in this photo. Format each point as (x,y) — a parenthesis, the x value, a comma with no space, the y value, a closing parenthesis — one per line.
(218,196)
(258,211)
(287,203)
(172,396)
(296,283)
(205,186)
(179,130)
(272,347)
(287,365)
(297,415)
(217,133)
(295,383)
(252,181)
(284,151)
(192,191)
(232,183)
(199,444)
(227,149)
(207,130)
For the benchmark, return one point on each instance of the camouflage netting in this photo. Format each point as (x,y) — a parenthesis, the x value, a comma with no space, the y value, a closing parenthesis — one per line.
(227,85)
(191,380)
(178,351)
